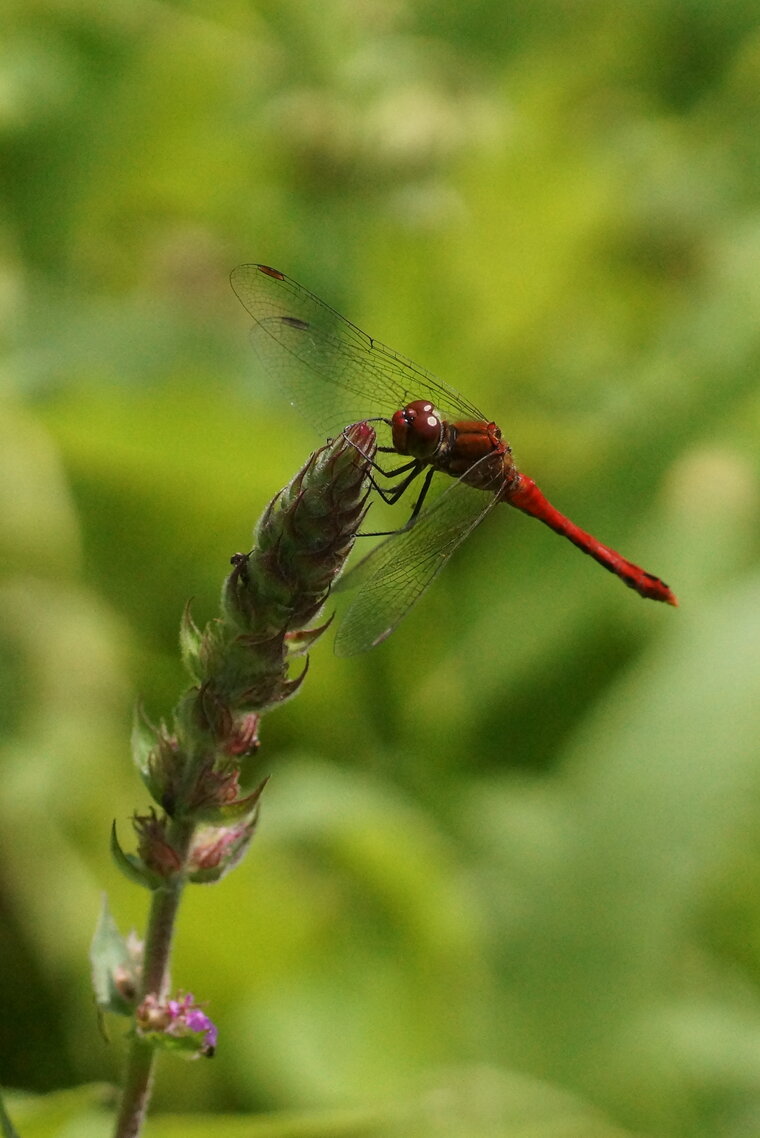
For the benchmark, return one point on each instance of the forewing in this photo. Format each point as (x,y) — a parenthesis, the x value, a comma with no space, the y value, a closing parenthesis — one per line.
(396,573)
(329,369)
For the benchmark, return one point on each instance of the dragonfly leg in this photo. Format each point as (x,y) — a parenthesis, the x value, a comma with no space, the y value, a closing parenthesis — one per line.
(396,469)
(411,469)
(395,494)
(379,469)
(420,498)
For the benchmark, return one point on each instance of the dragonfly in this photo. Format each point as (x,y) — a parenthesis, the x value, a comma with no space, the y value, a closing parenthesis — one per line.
(336,375)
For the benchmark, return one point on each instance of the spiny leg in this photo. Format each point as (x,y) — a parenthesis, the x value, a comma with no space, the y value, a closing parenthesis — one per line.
(397,492)
(412,470)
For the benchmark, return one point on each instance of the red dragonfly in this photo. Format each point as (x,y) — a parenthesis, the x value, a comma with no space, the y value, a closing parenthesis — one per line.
(336,375)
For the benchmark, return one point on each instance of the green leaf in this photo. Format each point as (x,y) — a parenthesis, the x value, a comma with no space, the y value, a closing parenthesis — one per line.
(190,644)
(114,967)
(242,810)
(132,867)
(143,740)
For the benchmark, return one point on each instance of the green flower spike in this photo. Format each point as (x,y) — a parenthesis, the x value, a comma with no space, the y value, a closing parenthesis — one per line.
(240,662)
(195,768)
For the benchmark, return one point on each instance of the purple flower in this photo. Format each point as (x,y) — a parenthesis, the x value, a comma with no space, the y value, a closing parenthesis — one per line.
(178,1025)
(187,1017)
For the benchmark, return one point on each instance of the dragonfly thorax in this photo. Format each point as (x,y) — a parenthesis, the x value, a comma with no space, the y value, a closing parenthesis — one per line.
(417,429)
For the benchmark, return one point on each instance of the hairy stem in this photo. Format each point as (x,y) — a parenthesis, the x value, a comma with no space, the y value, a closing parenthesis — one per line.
(141,1059)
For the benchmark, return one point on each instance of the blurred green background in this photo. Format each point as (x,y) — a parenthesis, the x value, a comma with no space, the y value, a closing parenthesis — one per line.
(508,867)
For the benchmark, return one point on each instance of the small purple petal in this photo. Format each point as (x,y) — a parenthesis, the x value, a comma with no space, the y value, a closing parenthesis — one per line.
(188,1018)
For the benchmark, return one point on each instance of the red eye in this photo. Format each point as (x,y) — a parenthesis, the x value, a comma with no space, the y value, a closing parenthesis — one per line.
(417,430)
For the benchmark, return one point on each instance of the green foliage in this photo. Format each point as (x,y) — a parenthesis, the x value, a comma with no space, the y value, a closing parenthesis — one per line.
(64,1113)
(511,855)
(114,967)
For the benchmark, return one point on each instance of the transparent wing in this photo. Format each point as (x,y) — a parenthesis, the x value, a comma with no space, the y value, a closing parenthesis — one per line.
(329,369)
(396,573)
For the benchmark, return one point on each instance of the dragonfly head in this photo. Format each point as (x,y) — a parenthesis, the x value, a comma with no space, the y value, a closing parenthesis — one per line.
(417,429)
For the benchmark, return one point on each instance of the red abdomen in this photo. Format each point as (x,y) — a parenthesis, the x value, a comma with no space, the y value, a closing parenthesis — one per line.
(526,496)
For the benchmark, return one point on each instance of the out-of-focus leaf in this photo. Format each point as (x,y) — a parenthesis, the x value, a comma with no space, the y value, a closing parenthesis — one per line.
(607,870)
(461,1103)
(79,1111)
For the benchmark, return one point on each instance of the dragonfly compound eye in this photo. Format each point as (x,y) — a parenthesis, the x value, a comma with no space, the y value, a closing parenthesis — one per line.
(417,430)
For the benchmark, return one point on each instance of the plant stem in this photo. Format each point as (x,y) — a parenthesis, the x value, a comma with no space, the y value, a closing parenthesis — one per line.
(135,1097)
(142,1056)
(6,1126)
